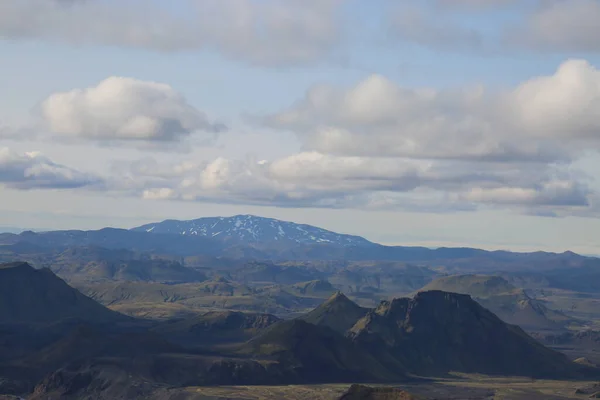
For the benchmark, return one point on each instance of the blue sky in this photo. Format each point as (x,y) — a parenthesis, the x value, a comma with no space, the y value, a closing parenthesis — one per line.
(439,122)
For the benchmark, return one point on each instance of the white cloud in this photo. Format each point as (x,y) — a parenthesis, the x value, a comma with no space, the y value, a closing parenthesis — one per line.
(314,179)
(33,170)
(546,119)
(556,193)
(124,109)
(268,32)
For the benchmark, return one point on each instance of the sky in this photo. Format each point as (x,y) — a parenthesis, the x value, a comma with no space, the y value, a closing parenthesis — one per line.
(413,122)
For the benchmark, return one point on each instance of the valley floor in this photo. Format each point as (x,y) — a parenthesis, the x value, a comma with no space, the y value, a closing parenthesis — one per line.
(460,386)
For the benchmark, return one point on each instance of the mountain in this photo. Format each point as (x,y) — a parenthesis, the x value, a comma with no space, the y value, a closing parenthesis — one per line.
(436,332)
(511,304)
(28,295)
(338,313)
(250,229)
(256,238)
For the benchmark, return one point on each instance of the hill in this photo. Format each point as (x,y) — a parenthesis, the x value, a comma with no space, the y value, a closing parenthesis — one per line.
(474,285)
(251,229)
(436,332)
(338,313)
(28,295)
(216,327)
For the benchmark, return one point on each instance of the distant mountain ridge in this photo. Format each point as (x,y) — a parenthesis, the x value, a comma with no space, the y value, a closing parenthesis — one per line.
(248,229)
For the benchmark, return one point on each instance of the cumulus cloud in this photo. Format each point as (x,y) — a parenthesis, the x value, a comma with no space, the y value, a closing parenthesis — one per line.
(124,109)
(35,171)
(271,32)
(546,119)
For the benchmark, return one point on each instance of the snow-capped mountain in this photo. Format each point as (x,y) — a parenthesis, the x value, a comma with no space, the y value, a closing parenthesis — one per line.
(253,229)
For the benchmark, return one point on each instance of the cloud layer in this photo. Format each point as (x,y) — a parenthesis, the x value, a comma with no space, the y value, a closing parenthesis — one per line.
(271,32)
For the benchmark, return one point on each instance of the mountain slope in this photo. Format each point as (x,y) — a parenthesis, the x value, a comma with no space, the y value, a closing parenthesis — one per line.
(252,229)
(28,295)
(216,327)
(436,332)
(311,353)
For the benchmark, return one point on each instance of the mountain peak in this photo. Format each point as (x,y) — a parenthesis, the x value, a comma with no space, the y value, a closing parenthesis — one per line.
(338,313)
(248,229)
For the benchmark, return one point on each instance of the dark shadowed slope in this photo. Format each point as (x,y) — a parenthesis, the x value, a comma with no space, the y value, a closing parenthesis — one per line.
(436,332)
(311,353)
(28,295)
(338,313)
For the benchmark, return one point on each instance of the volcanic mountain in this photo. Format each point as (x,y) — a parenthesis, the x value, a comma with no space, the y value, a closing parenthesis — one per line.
(249,229)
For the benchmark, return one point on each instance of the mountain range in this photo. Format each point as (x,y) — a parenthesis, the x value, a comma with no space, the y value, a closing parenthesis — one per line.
(60,346)
(257,238)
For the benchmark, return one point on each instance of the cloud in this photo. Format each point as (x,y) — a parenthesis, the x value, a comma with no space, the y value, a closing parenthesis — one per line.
(474,4)
(511,26)
(124,109)
(560,26)
(427,28)
(34,171)
(269,32)
(312,179)
(546,119)
(556,193)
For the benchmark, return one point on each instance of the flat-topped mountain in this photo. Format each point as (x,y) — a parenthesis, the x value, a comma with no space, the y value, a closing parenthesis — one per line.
(28,295)
(252,229)
(511,304)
